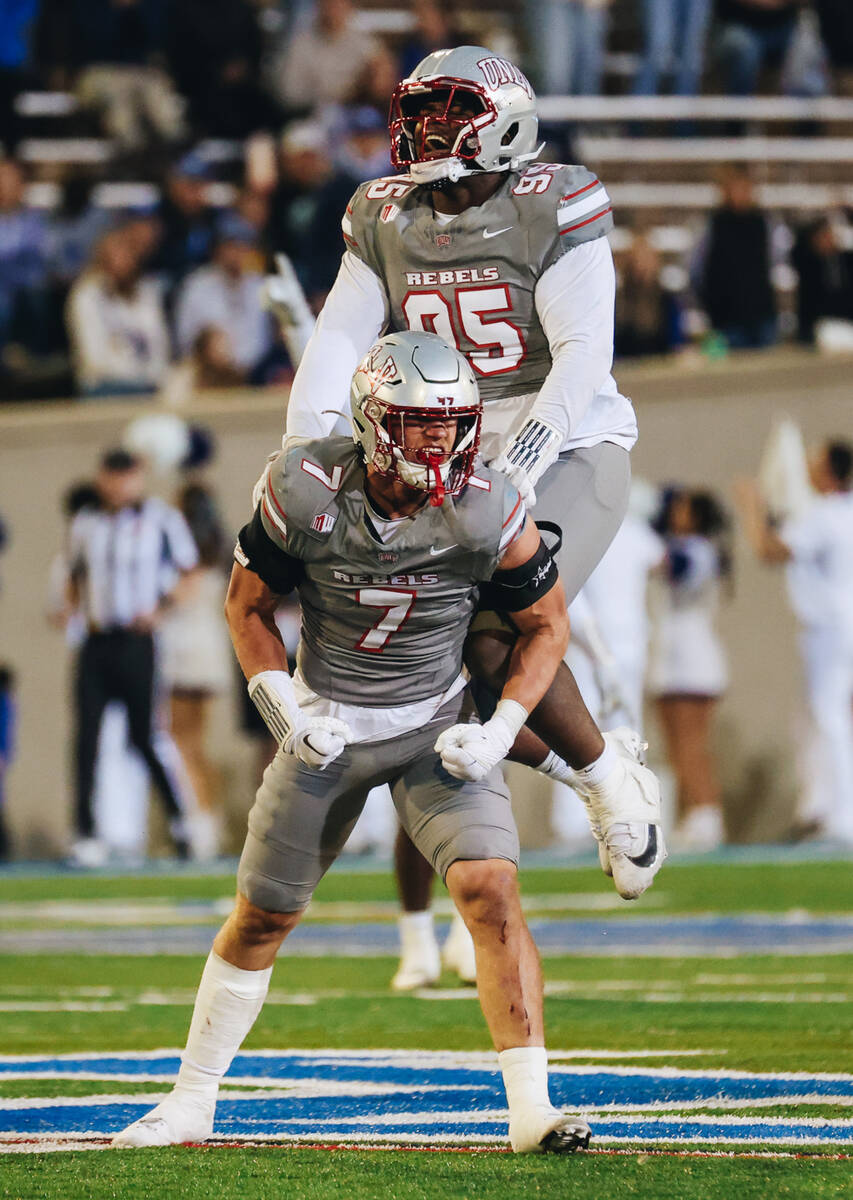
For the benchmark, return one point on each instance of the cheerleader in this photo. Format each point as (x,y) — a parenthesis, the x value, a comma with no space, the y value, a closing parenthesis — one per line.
(687,672)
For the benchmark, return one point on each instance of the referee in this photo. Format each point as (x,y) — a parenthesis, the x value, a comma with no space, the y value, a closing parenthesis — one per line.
(126,554)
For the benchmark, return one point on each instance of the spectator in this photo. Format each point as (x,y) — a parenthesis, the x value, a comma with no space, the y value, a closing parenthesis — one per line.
(215,55)
(210,364)
(187,220)
(24,272)
(647,316)
(568,39)
(825,277)
(687,671)
(817,547)
(125,555)
(751,36)
(117,324)
(674,34)
(835,18)
(435,29)
(306,167)
(75,227)
(733,268)
(227,295)
(7,747)
(376,82)
(17,19)
(115,44)
(321,64)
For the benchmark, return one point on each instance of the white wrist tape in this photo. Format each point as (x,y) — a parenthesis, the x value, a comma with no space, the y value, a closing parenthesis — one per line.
(273,696)
(513,715)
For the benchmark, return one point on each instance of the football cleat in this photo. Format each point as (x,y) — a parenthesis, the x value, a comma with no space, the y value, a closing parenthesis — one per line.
(624,815)
(173,1122)
(548,1131)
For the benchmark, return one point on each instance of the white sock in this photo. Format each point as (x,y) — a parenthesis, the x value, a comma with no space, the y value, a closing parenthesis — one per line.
(525,1075)
(598,769)
(227,1003)
(555,768)
(417,930)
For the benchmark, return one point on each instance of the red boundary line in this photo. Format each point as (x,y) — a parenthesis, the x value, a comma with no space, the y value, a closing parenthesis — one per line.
(612,1151)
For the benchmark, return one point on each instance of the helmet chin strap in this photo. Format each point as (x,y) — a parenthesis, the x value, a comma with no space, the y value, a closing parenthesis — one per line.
(442,171)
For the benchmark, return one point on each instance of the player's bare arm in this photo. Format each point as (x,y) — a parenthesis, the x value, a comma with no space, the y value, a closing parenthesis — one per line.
(543,626)
(250,607)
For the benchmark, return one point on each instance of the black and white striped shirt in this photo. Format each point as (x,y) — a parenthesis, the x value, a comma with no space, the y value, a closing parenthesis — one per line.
(126,561)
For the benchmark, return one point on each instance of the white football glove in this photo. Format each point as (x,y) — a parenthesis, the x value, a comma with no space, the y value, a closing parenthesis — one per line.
(527,457)
(283,296)
(315,741)
(470,751)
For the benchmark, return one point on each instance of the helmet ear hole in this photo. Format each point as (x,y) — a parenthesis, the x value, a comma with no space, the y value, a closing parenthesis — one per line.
(510,135)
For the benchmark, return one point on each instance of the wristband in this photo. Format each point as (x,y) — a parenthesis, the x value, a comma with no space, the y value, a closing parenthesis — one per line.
(273,696)
(512,714)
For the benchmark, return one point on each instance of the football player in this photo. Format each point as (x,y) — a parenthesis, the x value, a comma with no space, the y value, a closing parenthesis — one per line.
(387,542)
(507,259)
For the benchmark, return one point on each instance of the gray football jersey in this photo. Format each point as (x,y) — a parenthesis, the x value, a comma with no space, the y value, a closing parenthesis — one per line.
(382,623)
(472,281)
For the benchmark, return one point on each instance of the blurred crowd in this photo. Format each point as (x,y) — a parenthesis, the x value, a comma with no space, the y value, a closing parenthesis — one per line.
(239,129)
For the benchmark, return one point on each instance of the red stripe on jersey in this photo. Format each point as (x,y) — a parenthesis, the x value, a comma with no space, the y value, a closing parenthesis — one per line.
(512,514)
(272,494)
(580,224)
(351,241)
(579,192)
(276,524)
(349,209)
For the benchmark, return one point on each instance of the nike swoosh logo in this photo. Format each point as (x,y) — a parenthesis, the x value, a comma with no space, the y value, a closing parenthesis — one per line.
(489,233)
(650,853)
(434,553)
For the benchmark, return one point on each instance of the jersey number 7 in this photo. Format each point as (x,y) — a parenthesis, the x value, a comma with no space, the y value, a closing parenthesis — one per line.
(430,312)
(397,604)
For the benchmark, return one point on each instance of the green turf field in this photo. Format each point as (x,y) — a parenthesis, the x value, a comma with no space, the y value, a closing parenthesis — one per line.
(733,978)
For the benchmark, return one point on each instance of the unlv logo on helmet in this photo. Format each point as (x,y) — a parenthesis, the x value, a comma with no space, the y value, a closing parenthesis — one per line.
(498,71)
(379,372)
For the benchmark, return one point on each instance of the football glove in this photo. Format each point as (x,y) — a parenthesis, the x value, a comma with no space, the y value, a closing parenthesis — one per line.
(526,458)
(315,741)
(470,751)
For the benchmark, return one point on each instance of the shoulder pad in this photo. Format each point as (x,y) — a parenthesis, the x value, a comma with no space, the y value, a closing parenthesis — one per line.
(488,515)
(375,200)
(300,496)
(563,206)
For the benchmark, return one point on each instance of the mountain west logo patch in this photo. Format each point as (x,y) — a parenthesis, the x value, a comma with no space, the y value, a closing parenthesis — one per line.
(323,523)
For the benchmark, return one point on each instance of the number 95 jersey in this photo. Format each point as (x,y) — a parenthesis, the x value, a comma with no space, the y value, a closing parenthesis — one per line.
(471,278)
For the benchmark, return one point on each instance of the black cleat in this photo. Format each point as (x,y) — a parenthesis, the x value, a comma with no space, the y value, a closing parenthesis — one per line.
(567,1138)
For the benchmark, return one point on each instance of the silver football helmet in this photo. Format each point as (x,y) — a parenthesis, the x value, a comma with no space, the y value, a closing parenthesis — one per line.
(410,375)
(433,139)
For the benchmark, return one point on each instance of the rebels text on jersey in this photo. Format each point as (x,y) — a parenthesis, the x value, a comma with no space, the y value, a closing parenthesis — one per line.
(383,622)
(472,279)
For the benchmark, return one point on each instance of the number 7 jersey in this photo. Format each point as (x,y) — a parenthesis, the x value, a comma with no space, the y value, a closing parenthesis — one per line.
(383,621)
(472,280)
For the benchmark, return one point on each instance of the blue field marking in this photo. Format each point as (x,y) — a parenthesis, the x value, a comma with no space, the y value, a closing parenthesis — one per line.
(672,937)
(433,1097)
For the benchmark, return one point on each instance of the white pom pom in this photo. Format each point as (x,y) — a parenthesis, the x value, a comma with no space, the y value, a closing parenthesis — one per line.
(162,438)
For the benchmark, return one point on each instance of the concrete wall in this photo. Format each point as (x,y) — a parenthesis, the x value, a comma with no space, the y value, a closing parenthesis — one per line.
(700,424)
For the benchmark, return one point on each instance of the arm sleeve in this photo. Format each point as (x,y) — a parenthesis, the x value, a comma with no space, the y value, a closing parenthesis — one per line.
(355,313)
(575,302)
(257,552)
